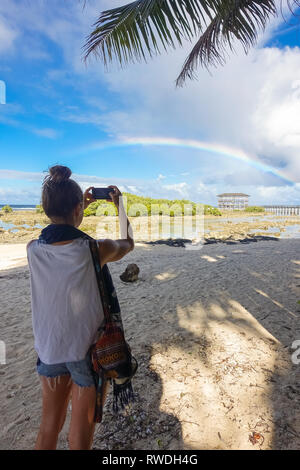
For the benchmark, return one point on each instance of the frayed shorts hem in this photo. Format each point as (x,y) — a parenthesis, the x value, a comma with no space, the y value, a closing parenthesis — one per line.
(80,372)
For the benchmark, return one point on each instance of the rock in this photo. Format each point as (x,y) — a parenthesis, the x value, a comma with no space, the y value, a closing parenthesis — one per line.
(209,241)
(131,273)
(177,242)
(171,242)
(269,238)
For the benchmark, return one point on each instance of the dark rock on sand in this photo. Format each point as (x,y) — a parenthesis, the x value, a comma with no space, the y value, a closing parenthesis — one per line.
(181,242)
(171,242)
(209,241)
(264,237)
(131,273)
(231,241)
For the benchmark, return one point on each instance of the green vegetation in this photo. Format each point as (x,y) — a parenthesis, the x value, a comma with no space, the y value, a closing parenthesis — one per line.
(139,205)
(39,209)
(210,210)
(7,209)
(254,209)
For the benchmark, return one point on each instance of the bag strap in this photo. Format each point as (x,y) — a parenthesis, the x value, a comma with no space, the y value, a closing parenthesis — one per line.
(100,280)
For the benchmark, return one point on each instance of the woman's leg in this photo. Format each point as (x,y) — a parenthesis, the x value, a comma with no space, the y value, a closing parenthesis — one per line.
(56,394)
(82,424)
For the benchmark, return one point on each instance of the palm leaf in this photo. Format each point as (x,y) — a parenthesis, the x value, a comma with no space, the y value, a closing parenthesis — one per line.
(130,32)
(239,19)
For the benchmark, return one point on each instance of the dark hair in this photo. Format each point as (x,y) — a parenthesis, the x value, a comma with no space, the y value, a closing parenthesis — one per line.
(60,194)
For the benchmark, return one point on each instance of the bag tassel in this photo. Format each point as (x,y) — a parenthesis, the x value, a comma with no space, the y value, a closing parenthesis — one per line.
(123,395)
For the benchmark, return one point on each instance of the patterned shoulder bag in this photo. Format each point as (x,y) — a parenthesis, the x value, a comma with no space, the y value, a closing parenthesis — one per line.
(111,354)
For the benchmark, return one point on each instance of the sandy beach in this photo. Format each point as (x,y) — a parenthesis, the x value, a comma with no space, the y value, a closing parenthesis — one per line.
(212,330)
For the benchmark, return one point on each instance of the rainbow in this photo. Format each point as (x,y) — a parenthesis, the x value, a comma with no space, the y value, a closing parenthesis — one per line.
(226,151)
(223,150)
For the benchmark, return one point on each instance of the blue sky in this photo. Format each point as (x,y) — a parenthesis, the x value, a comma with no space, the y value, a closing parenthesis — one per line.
(59,110)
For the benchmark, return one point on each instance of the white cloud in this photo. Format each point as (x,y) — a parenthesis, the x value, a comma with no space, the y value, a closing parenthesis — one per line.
(65,23)
(13,195)
(160,177)
(13,115)
(251,103)
(47,132)
(8,35)
(20,175)
(180,188)
(275,194)
(198,192)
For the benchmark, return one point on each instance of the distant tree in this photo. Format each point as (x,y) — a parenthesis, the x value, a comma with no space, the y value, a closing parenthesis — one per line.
(91,209)
(39,209)
(141,205)
(133,31)
(210,210)
(254,209)
(7,209)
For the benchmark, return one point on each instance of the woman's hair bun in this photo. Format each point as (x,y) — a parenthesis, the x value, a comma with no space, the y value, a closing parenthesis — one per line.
(59,173)
(60,193)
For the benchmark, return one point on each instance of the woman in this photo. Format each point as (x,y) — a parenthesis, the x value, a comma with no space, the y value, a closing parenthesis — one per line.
(67,308)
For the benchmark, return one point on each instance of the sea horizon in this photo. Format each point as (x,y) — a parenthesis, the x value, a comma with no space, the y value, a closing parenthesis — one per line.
(20,206)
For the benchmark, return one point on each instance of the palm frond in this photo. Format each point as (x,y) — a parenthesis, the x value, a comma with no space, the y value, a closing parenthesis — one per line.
(128,32)
(291,6)
(239,19)
(140,28)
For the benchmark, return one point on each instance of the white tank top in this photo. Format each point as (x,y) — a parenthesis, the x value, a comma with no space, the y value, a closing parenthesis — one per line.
(65,300)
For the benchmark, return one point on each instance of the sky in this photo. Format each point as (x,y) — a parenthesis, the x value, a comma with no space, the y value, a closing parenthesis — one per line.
(234,129)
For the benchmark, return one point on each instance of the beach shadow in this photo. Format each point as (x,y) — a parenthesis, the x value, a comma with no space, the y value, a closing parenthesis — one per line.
(143,425)
(245,302)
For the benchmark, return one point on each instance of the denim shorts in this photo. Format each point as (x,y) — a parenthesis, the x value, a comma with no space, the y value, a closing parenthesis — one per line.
(81,372)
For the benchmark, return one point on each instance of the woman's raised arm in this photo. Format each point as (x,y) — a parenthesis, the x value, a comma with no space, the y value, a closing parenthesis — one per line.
(114,250)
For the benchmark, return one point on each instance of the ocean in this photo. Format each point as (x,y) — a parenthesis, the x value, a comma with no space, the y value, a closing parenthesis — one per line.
(19,207)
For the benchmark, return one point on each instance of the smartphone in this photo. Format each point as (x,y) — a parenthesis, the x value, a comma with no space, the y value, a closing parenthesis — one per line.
(102,193)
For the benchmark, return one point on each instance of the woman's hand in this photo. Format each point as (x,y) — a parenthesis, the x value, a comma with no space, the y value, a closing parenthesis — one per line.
(114,195)
(87,198)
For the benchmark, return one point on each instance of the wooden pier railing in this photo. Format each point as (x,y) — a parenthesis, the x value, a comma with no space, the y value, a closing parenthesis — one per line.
(283,210)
